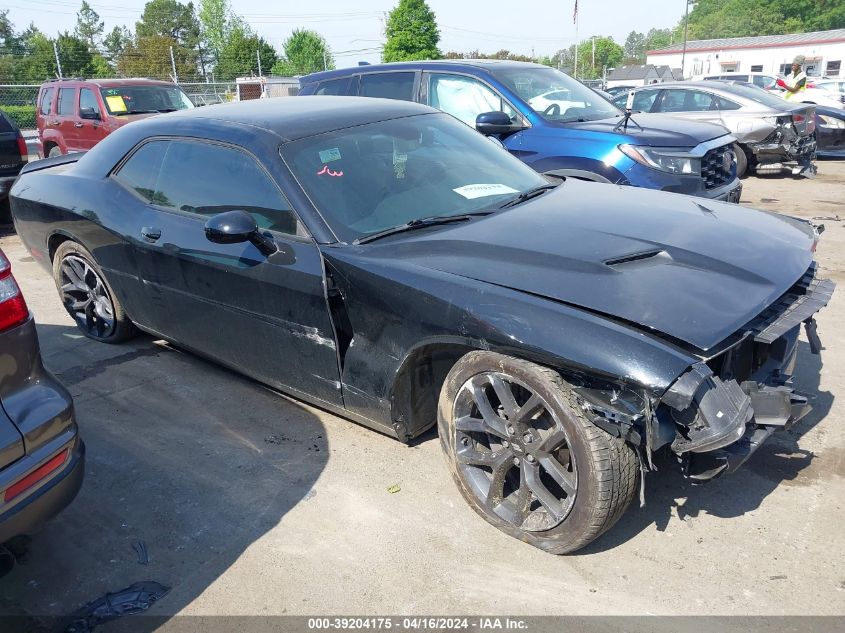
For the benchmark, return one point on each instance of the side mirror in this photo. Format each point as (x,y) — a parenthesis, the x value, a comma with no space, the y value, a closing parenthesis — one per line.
(233,227)
(89,113)
(495,123)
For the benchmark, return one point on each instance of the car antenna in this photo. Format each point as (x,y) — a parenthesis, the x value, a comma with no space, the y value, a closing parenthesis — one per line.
(629,106)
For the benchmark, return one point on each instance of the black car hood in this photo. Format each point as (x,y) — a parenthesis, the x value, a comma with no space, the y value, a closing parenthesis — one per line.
(696,270)
(658,130)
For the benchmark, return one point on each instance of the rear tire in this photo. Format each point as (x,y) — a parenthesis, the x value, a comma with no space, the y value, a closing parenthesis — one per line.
(54,151)
(88,297)
(741,160)
(526,458)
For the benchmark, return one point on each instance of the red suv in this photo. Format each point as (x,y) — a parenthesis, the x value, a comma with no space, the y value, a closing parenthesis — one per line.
(75,114)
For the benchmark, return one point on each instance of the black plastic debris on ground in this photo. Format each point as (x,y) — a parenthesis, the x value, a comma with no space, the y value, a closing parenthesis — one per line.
(141,550)
(134,599)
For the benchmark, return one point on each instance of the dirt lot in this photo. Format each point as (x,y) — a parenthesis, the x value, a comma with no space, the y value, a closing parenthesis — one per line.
(250,503)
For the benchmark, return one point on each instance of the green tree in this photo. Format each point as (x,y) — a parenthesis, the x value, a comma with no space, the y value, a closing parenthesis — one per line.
(76,58)
(177,24)
(89,26)
(149,56)
(591,61)
(215,25)
(710,19)
(239,56)
(304,52)
(115,42)
(169,18)
(635,48)
(411,32)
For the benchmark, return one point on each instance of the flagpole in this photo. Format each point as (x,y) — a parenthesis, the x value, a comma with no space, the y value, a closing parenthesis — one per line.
(576,39)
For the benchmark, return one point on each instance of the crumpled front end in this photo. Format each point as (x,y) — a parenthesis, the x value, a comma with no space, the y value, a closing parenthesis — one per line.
(785,144)
(727,405)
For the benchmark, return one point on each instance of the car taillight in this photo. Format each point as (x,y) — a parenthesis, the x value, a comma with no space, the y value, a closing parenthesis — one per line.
(798,118)
(22,148)
(24,484)
(13,310)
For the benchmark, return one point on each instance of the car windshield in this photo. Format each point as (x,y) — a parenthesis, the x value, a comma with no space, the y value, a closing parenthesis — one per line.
(372,177)
(556,96)
(756,94)
(139,99)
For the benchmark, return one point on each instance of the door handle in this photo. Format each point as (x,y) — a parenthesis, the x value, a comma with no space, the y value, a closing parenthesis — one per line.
(150,233)
(78,124)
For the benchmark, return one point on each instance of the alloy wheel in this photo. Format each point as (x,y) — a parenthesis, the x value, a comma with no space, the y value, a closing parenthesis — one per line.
(86,298)
(513,452)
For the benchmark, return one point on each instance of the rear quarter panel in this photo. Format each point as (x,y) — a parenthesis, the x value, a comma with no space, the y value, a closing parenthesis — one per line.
(58,203)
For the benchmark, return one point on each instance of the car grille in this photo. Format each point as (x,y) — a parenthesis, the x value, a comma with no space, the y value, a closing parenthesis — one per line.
(713,167)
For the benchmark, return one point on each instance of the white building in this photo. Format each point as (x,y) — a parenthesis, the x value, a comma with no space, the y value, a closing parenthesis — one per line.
(823,51)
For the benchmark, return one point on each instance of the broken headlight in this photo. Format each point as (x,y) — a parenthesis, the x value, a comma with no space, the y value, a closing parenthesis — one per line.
(668,160)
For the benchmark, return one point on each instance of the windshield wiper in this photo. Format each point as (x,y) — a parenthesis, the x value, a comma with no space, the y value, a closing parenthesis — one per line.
(420,223)
(527,195)
(138,112)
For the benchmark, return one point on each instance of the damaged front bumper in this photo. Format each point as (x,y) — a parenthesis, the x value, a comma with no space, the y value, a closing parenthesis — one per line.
(724,408)
(784,145)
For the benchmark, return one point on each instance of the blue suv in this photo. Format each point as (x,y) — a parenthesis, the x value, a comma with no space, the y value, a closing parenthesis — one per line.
(554,123)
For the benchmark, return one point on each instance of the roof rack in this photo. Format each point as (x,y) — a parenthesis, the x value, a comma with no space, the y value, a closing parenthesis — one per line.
(67,79)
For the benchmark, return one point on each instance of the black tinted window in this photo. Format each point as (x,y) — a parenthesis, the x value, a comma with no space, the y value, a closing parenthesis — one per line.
(66,98)
(388,86)
(6,124)
(209,179)
(141,171)
(334,87)
(47,101)
(88,100)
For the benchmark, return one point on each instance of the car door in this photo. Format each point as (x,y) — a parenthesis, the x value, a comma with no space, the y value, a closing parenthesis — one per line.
(90,131)
(66,123)
(692,104)
(265,316)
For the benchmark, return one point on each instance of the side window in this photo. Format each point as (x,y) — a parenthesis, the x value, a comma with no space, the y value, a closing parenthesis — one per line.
(643,100)
(47,101)
(66,101)
(464,97)
(208,179)
(686,101)
(334,87)
(764,81)
(721,103)
(87,99)
(388,86)
(141,171)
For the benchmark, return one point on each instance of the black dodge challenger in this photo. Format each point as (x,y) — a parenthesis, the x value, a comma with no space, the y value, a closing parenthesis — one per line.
(385,262)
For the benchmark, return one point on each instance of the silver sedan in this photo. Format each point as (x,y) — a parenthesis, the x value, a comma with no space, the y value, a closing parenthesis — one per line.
(769,130)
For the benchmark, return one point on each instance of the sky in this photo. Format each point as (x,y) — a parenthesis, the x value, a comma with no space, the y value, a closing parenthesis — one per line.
(355,30)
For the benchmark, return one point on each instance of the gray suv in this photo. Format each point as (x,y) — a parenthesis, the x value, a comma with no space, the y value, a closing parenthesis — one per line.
(41,454)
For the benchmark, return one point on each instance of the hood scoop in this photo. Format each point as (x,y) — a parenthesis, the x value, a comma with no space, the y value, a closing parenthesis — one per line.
(636,258)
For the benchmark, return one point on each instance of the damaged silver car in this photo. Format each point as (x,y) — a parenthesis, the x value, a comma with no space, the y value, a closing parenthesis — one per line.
(771,133)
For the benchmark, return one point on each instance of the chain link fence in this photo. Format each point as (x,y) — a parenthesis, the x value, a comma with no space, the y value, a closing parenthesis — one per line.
(18,101)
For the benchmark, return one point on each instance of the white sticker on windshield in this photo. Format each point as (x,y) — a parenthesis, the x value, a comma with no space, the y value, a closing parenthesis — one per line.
(329,155)
(481,190)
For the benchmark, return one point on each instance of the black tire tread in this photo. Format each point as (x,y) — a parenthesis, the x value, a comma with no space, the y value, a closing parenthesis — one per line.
(614,465)
(124,328)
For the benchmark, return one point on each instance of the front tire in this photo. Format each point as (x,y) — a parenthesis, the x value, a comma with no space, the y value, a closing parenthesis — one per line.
(526,458)
(741,160)
(87,296)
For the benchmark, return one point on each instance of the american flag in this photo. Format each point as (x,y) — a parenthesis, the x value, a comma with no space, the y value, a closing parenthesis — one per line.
(575,13)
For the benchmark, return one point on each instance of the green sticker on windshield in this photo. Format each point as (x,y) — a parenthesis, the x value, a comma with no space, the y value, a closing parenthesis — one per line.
(329,155)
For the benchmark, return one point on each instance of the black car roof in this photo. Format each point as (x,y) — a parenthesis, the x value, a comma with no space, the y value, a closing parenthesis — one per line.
(297,117)
(440,64)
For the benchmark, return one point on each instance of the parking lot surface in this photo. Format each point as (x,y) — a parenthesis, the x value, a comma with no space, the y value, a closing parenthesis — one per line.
(251,503)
